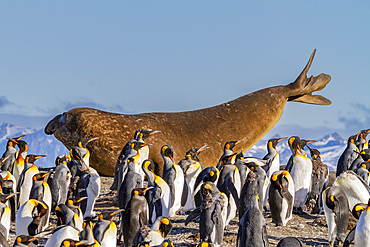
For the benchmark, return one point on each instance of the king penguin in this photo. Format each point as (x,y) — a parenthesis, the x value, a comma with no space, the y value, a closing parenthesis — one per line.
(174,177)
(67,217)
(159,196)
(10,154)
(301,173)
(131,181)
(31,218)
(192,167)
(105,230)
(272,157)
(8,185)
(337,214)
(19,161)
(348,155)
(26,178)
(208,174)
(281,197)
(228,150)
(59,185)
(41,191)
(140,135)
(135,215)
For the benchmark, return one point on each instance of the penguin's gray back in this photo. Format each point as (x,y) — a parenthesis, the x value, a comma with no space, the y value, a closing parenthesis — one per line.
(290,242)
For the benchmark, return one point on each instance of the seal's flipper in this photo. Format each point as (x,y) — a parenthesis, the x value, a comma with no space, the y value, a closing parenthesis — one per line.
(303,87)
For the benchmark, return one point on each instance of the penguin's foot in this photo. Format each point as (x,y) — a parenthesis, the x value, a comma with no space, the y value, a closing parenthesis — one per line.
(331,244)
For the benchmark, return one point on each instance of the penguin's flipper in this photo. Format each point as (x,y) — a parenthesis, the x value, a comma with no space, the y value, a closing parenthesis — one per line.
(265,236)
(195,213)
(289,165)
(231,187)
(3,241)
(350,237)
(185,192)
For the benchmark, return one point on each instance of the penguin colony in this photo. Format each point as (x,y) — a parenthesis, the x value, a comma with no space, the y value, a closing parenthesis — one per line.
(245,187)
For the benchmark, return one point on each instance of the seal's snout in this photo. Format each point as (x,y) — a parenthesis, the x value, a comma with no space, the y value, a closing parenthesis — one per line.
(53,124)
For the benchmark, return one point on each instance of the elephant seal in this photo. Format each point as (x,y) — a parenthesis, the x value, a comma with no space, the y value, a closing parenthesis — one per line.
(247,118)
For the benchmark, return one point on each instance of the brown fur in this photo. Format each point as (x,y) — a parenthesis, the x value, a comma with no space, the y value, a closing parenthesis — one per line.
(249,118)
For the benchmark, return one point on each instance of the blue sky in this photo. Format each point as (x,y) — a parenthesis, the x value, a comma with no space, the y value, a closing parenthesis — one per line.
(155,56)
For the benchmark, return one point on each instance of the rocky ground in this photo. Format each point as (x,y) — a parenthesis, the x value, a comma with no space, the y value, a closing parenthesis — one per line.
(310,229)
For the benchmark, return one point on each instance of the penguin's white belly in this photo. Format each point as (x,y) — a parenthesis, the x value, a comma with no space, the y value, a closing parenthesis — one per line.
(352,186)
(5,220)
(362,231)
(283,213)
(231,210)
(179,187)
(301,174)
(23,219)
(329,215)
(110,238)
(190,179)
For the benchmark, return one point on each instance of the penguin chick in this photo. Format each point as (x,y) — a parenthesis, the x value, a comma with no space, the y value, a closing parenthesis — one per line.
(281,197)
(320,180)
(252,226)
(337,213)
(211,224)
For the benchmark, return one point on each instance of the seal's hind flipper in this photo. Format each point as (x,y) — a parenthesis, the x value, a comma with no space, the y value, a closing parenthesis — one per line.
(302,87)
(310,99)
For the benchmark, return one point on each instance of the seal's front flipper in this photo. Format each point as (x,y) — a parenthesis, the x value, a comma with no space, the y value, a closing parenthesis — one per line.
(302,87)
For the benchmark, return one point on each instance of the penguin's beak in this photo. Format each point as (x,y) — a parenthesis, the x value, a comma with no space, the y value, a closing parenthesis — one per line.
(204,148)
(40,156)
(236,143)
(116,212)
(155,132)
(11,139)
(283,138)
(81,199)
(93,139)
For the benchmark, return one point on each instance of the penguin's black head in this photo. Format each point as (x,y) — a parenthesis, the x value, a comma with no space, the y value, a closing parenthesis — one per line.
(358,209)
(315,154)
(73,243)
(40,176)
(143,134)
(23,146)
(207,188)
(330,199)
(303,143)
(365,154)
(108,215)
(137,145)
(5,197)
(231,144)
(148,165)
(165,226)
(167,151)
(140,191)
(228,160)
(213,174)
(26,240)
(167,243)
(75,201)
(82,142)
(352,139)
(294,143)
(363,134)
(280,180)
(31,158)
(274,141)
(62,159)
(252,166)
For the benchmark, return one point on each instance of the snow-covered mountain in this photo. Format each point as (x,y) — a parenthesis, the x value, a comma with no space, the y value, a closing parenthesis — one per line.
(38,143)
(330,146)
